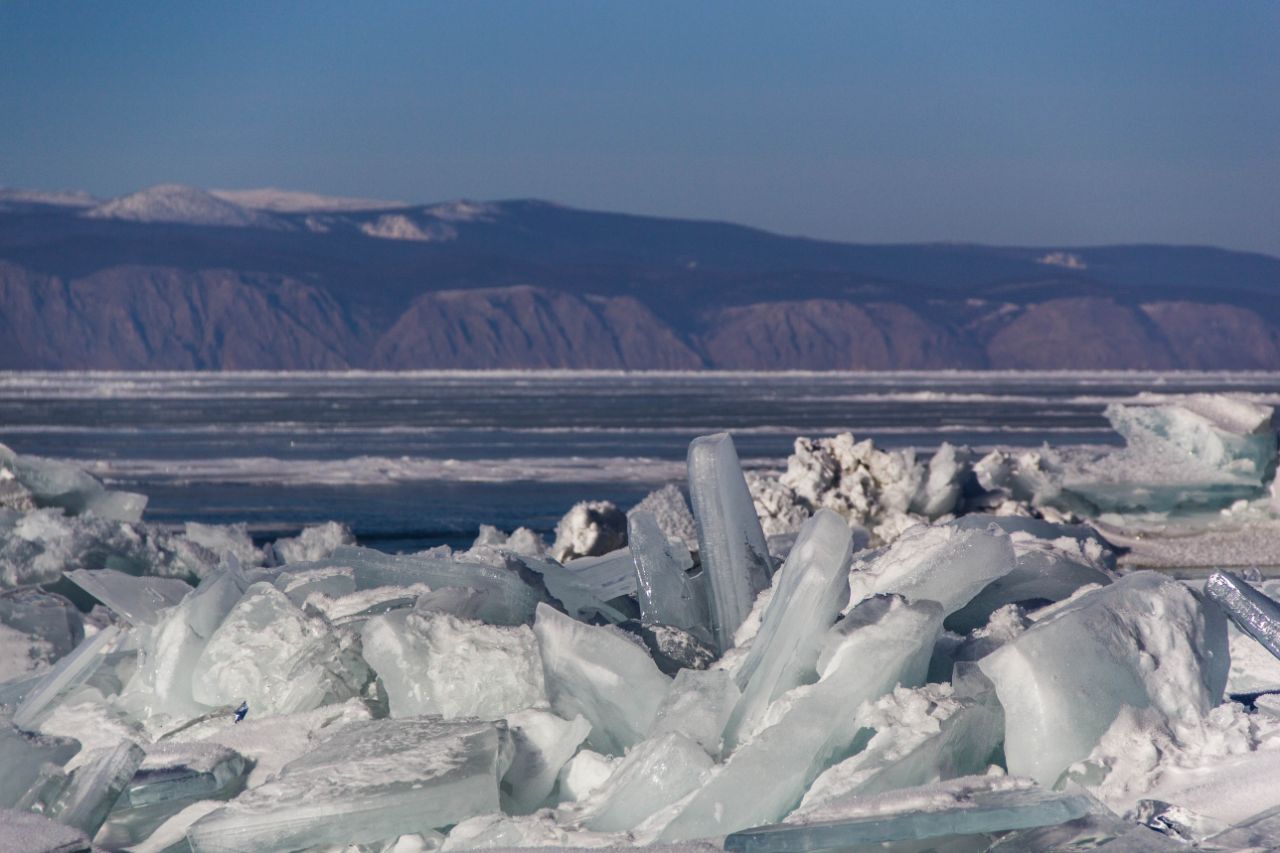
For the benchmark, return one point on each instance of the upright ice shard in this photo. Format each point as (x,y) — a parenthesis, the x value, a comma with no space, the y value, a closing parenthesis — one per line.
(366,782)
(1254,612)
(1145,640)
(810,590)
(602,675)
(972,805)
(137,599)
(731,543)
(884,641)
(83,799)
(668,595)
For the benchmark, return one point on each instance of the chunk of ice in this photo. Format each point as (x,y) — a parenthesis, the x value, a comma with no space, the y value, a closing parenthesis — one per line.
(92,790)
(585,773)
(922,735)
(882,642)
(1145,640)
(970,805)
(653,775)
(667,594)
(36,629)
(317,542)
(589,529)
(945,564)
(365,782)
(698,706)
(58,484)
(543,743)
(671,511)
(602,675)
(138,600)
(435,663)
(333,581)
(609,576)
(810,590)
(731,544)
(269,653)
(1254,612)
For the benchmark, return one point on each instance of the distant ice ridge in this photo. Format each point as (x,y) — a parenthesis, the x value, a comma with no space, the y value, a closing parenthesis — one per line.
(181,205)
(685,679)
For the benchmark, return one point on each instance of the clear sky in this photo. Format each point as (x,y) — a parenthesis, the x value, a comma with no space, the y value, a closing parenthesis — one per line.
(1014,122)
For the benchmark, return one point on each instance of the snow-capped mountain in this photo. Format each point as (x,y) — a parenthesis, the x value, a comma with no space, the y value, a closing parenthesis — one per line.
(181,205)
(293,201)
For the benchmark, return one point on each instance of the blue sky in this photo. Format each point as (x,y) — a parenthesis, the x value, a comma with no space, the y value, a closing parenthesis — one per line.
(1015,122)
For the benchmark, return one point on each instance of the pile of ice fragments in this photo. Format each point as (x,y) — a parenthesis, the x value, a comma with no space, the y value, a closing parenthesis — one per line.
(984,679)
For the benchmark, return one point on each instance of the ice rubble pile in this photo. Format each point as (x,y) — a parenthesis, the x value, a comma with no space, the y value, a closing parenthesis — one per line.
(1202,452)
(986,681)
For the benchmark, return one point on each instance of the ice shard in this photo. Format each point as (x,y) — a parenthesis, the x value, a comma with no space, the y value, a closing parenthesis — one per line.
(1145,640)
(89,794)
(23,754)
(667,594)
(731,544)
(582,593)
(960,807)
(698,706)
(609,576)
(66,674)
(57,484)
(542,743)
(333,581)
(601,674)
(435,663)
(921,735)
(945,564)
(271,654)
(509,599)
(810,590)
(171,777)
(1253,612)
(882,642)
(365,782)
(653,775)
(50,624)
(139,600)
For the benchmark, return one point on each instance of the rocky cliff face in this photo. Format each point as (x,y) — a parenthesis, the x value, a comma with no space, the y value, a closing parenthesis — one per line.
(529,285)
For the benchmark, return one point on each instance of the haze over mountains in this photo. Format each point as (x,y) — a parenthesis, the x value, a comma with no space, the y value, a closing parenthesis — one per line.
(178,278)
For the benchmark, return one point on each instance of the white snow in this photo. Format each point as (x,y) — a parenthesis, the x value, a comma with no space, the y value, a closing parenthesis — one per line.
(295,201)
(181,205)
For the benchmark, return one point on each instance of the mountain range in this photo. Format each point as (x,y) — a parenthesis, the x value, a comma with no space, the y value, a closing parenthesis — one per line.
(179,278)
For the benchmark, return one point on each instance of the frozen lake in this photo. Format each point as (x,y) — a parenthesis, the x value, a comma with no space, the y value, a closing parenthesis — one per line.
(412,459)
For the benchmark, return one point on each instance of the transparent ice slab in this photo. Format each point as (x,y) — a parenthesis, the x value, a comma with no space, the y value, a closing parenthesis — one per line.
(810,590)
(365,782)
(583,594)
(49,620)
(601,674)
(85,797)
(945,564)
(968,806)
(731,543)
(1145,640)
(653,775)
(58,484)
(882,642)
(333,581)
(698,706)
(542,743)
(68,673)
(610,576)
(435,663)
(667,593)
(138,600)
(1253,612)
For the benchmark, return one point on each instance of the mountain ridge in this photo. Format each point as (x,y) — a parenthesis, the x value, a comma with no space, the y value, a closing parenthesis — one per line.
(526,283)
